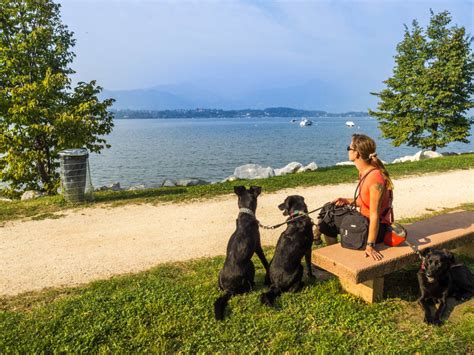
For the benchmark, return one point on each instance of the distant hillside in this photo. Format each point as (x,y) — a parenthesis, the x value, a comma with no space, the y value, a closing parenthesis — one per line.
(217,113)
(308,96)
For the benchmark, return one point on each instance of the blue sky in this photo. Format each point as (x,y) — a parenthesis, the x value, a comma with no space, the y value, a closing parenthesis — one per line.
(237,46)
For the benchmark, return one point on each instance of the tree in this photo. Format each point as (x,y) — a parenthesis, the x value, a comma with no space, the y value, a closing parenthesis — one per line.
(40,113)
(426,100)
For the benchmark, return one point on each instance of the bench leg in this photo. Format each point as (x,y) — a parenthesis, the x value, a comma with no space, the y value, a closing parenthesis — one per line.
(370,291)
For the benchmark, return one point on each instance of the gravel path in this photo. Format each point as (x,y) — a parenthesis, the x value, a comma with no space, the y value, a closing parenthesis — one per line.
(95,243)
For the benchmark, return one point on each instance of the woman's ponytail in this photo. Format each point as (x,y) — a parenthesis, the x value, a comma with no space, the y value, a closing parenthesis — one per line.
(377,163)
(366,147)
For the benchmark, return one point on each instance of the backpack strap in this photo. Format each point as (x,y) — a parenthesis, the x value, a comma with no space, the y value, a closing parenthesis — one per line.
(359,188)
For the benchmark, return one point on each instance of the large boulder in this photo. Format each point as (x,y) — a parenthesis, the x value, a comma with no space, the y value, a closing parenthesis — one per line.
(403,159)
(229,178)
(191,182)
(168,183)
(344,163)
(310,167)
(253,171)
(30,194)
(428,154)
(290,168)
(422,154)
(114,187)
(137,187)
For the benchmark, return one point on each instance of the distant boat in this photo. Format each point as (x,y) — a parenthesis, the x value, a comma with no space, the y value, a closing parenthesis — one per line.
(293,120)
(350,124)
(305,122)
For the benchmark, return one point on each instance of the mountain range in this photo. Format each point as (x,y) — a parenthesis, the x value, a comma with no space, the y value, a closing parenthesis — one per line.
(312,95)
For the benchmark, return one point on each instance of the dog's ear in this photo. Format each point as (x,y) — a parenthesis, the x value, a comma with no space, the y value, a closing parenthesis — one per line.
(449,256)
(282,207)
(239,190)
(305,207)
(285,207)
(256,190)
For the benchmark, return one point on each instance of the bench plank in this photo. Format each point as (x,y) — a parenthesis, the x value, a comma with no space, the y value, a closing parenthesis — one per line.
(448,231)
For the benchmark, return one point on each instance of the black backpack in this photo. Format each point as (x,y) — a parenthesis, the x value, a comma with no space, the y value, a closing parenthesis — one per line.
(330,218)
(354,231)
(354,228)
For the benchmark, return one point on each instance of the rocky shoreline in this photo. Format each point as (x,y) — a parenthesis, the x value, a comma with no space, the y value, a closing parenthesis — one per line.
(255,171)
(248,172)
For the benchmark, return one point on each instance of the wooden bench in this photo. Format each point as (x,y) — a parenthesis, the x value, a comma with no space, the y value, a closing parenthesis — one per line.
(364,277)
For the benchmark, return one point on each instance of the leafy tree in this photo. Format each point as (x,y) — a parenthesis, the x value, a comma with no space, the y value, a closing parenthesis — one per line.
(40,113)
(426,100)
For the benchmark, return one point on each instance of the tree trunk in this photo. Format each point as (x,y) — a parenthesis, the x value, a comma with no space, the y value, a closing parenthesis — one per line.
(45,178)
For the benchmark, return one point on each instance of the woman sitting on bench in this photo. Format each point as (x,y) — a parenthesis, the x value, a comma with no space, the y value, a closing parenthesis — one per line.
(374,195)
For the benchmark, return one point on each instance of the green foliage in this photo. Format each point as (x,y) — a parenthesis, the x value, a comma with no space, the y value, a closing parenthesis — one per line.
(170,309)
(425,101)
(40,114)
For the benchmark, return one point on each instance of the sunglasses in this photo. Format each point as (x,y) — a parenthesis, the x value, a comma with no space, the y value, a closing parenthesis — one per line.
(349,148)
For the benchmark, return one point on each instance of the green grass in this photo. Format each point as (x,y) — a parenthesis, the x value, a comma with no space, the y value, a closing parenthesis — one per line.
(46,206)
(169,309)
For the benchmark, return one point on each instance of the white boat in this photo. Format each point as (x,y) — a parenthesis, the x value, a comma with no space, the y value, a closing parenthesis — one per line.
(305,122)
(350,124)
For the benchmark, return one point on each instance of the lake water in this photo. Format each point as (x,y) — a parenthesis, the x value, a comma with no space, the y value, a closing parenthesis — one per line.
(147,151)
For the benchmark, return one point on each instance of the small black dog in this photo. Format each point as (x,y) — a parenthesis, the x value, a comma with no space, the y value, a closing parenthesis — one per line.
(439,278)
(237,275)
(286,272)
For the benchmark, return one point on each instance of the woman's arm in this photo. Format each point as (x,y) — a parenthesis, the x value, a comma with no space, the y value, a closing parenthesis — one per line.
(376,192)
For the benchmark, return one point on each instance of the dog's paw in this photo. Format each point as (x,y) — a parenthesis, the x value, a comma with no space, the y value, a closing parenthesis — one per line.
(437,322)
(267,301)
(428,320)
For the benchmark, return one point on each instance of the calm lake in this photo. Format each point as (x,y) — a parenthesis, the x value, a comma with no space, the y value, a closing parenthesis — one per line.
(147,151)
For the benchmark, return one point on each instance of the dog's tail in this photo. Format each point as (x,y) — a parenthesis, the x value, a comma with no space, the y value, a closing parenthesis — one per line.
(268,298)
(220,304)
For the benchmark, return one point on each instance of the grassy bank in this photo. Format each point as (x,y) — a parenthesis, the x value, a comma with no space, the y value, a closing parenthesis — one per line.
(46,206)
(169,309)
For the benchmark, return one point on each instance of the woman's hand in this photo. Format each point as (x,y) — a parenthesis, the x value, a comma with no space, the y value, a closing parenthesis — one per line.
(371,251)
(341,201)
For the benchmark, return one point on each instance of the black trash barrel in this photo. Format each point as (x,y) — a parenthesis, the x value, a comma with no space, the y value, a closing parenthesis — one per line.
(73,163)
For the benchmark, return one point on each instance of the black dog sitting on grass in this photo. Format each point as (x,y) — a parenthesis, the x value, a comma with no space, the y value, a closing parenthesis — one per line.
(286,272)
(439,278)
(237,275)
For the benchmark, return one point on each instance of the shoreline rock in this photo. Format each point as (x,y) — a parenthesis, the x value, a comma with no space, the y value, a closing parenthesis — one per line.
(30,195)
(422,154)
(253,171)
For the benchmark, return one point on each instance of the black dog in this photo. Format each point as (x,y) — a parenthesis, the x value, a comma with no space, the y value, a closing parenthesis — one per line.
(286,272)
(237,275)
(439,278)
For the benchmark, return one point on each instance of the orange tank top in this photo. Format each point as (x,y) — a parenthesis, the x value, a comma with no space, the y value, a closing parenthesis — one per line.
(363,201)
